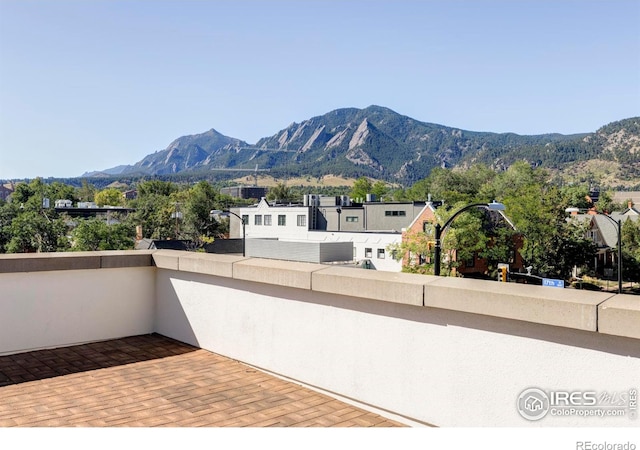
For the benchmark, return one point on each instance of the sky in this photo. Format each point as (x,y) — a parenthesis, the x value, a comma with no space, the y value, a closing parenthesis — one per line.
(89,85)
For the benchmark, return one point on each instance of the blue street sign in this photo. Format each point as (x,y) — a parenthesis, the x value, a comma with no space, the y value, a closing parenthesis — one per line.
(550,282)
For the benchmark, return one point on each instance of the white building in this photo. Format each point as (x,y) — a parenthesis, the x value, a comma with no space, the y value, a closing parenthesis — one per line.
(301,223)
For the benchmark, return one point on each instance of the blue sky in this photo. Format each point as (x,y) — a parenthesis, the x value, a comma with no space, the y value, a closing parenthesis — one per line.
(88,85)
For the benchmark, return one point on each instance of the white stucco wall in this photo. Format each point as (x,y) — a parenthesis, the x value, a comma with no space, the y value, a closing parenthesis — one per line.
(57,308)
(438,366)
(289,230)
(362,241)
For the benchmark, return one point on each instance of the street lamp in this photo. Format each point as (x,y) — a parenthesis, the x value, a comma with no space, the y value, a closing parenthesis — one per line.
(493,206)
(618,225)
(177,214)
(216,214)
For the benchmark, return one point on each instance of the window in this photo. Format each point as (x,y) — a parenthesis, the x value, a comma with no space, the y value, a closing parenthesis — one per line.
(395,213)
(471,262)
(368,252)
(380,253)
(424,259)
(257,219)
(245,219)
(352,218)
(282,220)
(267,220)
(301,220)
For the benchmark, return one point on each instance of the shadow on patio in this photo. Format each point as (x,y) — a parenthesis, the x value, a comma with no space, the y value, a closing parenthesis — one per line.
(152,380)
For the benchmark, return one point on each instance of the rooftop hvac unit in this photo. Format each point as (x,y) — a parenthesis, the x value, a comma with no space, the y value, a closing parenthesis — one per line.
(311,200)
(345,200)
(371,197)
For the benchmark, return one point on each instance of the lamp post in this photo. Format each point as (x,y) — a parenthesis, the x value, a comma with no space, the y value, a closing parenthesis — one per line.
(618,225)
(177,214)
(217,213)
(494,206)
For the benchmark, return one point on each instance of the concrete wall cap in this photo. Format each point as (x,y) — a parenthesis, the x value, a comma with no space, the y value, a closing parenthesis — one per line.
(393,287)
(38,262)
(208,263)
(167,259)
(568,308)
(273,271)
(620,316)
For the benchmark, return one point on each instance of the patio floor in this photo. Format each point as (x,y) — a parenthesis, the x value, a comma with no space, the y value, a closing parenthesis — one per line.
(151,380)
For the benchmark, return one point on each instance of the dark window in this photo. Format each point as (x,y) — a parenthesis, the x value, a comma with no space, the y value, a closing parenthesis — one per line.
(471,262)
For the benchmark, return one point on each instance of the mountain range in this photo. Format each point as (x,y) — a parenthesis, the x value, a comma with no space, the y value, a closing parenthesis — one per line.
(382,144)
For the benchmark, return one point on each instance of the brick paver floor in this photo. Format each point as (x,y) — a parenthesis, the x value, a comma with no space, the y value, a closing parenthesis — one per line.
(147,381)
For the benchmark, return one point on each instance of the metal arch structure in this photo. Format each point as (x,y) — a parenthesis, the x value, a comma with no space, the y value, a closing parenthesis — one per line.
(493,206)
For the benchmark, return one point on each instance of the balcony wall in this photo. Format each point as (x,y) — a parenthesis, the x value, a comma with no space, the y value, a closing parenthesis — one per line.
(55,300)
(443,351)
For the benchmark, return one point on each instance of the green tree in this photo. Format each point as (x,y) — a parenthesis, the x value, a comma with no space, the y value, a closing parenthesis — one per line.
(95,234)
(110,197)
(631,250)
(281,193)
(361,187)
(576,196)
(463,237)
(379,189)
(569,248)
(419,191)
(550,244)
(28,225)
(156,187)
(30,196)
(415,251)
(153,212)
(198,224)
(8,212)
(31,232)
(60,191)
(451,186)
(86,192)
(24,192)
